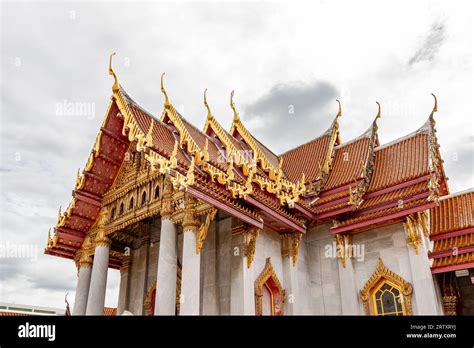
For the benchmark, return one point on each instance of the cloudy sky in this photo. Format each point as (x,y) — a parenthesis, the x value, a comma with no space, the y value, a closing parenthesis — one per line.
(278,56)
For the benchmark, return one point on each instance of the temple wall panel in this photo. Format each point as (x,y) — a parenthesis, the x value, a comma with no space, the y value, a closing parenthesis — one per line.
(325,295)
(268,245)
(304,281)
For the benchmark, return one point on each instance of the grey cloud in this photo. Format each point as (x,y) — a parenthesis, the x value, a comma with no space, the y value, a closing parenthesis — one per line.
(431,44)
(293,112)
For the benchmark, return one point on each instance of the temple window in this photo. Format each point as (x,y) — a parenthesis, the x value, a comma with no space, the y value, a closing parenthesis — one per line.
(388,300)
(386,293)
(269,294)
(157,191)
(112,214)
(143,197)
(121,209)
(130,206)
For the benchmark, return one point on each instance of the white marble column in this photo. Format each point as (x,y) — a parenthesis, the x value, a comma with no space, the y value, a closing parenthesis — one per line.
(98,286)
(349,294)
(82,288)
(124,290)
(191,272)
(165,300)
(426,297)
(242,291)
(290,273)
(190,275)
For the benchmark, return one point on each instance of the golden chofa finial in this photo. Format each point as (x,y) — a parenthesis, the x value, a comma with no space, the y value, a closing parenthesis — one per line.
(209,114)
(116,86)
(339,112)
(435,107)
(60,215)
(163,90)
(232,105)
(379,115)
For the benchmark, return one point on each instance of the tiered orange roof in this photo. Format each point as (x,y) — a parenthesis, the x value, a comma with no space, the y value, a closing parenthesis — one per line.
(402,182)
(452,229)
(358,184)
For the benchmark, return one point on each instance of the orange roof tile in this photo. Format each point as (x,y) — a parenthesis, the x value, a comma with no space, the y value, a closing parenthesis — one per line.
(454,212)
(381,212)
(14,314)
(395,196)
(348,164)
(109,311)
(400,161)
(454,242)
(453,260)
(308,159)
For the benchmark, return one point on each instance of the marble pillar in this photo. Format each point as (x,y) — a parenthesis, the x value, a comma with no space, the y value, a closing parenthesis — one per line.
(242,290)
(190,273)
(190,276)
(426,296)
(290,278)
(349,293)
(165,300)
(83,284)
(98,286)
(124,292)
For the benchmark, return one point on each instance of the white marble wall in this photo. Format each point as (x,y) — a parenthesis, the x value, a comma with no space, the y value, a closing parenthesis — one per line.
(325,295)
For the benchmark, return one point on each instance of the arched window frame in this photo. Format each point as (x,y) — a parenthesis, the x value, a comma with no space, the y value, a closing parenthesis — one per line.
(381,276)
(268,274)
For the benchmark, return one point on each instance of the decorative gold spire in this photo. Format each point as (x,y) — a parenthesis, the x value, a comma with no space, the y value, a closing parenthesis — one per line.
(59,215)
(339,113)
(163,90)
(232,105)
(378,113)
(435,107)
(116,86)
(209,114)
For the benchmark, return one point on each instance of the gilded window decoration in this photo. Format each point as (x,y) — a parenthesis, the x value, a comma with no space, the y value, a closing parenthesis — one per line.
(386,293)
(269,280)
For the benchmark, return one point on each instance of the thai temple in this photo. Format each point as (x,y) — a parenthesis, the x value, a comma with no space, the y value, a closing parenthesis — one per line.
(211,222)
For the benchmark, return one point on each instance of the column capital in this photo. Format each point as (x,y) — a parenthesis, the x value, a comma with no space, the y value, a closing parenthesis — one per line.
(101,239)
(191,222)
(85,261)
(167,200)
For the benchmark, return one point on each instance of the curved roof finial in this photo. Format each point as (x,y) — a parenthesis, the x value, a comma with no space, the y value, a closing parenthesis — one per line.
(209,114)
(167,101)
(232,105)
(116,86)
(435,107)
(339,112)
(379,115)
